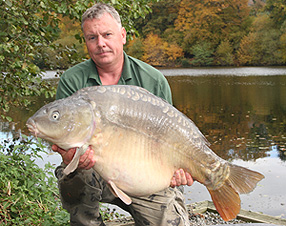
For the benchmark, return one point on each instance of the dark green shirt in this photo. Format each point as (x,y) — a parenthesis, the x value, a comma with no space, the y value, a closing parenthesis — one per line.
(135,72)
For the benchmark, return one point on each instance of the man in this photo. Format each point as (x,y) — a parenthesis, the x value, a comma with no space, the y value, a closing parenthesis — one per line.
(82,190)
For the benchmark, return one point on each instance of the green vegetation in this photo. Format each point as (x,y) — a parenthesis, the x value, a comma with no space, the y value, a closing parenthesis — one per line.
(29,194)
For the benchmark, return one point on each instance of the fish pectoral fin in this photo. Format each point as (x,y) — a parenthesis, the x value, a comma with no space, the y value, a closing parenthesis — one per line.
(119,193)
(226,201)
(74,162)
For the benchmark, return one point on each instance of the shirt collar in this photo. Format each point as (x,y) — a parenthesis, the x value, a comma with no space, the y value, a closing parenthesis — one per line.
(126,72)
(94,73)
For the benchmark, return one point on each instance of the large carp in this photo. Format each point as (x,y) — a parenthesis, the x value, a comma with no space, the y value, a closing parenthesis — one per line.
(139,141)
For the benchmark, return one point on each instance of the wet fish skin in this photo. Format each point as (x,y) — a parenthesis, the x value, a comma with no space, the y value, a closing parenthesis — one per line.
(139,141)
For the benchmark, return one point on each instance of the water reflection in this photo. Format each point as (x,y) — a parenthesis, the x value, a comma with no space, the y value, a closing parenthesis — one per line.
(242,117)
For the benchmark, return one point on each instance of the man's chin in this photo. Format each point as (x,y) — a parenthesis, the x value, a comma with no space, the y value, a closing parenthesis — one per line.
(103,61)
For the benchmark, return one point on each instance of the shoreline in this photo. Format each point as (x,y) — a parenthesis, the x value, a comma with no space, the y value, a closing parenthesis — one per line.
(204,213)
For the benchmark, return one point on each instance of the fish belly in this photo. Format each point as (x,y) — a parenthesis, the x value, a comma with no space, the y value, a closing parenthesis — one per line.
(139,165)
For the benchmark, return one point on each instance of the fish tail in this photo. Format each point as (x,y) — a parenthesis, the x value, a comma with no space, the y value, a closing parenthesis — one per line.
(243,180)
(226,201)
(226,198)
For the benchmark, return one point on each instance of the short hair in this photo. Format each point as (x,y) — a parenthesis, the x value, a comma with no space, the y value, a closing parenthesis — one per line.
(97,10)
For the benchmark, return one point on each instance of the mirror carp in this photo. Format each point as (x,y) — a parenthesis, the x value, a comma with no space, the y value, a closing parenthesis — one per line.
(139,141)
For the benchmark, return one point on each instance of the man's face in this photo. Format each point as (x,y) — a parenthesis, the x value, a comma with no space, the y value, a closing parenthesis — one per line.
(104,40)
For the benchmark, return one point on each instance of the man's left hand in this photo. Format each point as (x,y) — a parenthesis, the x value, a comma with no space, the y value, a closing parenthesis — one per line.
(181,178)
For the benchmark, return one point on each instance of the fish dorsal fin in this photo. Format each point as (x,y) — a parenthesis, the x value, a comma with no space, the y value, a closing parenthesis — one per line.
(119,193)
(74,162)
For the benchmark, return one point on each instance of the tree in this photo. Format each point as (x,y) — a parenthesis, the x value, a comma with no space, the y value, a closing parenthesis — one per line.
(28,27)
(68,50)
(277,10)
(283,43)
(277,14)
(224,54)
(202,53)
(212,21)
(135,48)
(262,45)
(257,7)
(157,52)
(246,52)
(163,16)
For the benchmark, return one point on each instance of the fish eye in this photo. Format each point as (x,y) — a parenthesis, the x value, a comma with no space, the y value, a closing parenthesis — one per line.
(55,115)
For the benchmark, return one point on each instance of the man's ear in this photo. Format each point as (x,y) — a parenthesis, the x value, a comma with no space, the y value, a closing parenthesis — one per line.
(123,33)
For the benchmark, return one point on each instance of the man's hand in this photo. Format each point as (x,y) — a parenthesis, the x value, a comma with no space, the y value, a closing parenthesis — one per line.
(181,178)
(86,161)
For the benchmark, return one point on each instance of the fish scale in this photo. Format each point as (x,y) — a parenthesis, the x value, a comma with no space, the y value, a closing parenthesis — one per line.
(139,140)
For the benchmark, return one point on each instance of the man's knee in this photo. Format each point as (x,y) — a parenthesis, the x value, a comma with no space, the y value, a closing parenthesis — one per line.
(75,190)
(83,215)
(163,208)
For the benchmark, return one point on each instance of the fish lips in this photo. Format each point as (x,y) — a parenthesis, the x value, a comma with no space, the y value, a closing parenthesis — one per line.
(32,127)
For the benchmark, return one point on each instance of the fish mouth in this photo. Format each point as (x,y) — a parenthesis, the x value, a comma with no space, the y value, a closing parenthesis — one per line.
(32,127)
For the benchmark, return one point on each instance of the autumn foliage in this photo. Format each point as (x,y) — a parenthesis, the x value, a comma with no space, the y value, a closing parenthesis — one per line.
(214,32)
(200,33)
(159,52)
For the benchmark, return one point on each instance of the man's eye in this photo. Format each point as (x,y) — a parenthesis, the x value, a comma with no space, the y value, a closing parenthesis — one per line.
(90,38)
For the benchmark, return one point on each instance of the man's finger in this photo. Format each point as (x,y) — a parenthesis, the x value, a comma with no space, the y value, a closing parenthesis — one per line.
(189,178)
(183,178)
(92,160)
(83,159)
(55,148)
(173,182)
(178,178)
(87,160)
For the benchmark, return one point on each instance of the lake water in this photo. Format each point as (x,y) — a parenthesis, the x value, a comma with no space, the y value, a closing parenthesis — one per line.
(241,111)
(244,118)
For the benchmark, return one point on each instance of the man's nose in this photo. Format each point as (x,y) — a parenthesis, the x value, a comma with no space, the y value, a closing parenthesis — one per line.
(100,41)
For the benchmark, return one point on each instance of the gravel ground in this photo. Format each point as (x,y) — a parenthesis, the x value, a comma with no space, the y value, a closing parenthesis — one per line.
(210,218)
(207,218)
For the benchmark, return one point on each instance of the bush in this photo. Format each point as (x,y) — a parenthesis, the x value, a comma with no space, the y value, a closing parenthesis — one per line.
(224,54)
(203,54)
(28,193)
(134,48)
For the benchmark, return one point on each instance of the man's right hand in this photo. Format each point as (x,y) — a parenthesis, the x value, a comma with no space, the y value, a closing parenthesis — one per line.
(86,161)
